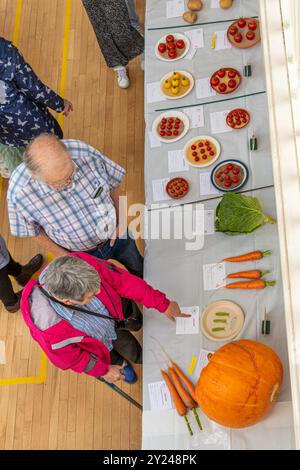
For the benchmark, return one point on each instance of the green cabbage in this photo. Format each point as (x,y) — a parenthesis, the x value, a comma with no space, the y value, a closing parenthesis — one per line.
(237,214)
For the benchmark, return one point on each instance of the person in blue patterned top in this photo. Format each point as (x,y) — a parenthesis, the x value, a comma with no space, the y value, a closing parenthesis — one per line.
(66,196)
(24,100)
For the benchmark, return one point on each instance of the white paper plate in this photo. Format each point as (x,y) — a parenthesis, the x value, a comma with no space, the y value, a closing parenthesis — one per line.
(177,36)
(234,325)
(202,137)
(176,114)
(182,72)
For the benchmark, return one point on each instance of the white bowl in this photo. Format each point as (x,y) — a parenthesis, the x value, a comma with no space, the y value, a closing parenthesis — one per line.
(176,114)
(182,72)
(202,137)
(177,36)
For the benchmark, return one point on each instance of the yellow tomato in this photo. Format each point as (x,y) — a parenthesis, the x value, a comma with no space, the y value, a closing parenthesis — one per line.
(175,83)
(176,76)
(185,81)
(167,84)
(175,90)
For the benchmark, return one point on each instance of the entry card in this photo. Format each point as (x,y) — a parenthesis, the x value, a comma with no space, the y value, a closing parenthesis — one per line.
(159,190)
(204,89)
(196,116)
(160,398)
(222,41)
(196,38)
(189,325)
(203,360)
(206,187)
(176,161)
(153,140)
(209,222)
(215,4)
(214,276)
(154,93)
(218,122)
(175,8)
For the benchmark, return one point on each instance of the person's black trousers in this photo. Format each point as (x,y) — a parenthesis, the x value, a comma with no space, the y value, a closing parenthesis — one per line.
(126,345)
(7,295)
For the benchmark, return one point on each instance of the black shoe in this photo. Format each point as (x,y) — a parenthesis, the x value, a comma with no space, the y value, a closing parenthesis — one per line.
(29,269)
(14,308)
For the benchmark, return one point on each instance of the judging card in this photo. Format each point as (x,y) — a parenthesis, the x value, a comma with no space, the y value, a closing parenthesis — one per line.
(160,398)
(204,89)
(189,325)
(214,276)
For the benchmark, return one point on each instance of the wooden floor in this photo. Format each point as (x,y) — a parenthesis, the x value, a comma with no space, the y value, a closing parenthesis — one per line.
(70,411)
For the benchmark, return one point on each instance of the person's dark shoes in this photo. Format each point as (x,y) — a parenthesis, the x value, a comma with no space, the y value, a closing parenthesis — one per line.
(130,376)
(29,269)
(14,308)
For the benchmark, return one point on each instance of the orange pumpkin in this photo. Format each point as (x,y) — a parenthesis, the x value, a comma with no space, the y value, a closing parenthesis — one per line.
(239,385)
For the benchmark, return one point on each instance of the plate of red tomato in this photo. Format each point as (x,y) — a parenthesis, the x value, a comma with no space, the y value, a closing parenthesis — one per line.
(172,47)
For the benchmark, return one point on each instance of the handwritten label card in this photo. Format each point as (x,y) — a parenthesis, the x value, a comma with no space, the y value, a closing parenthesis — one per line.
(153,140)
(160,398)
(218,122)
(177,162)
(222,41)
(196,116)
(159,190)
(175,8)
(189,325)
(206,187)
(214,276)
(154,93)
(204,89)
(196,38)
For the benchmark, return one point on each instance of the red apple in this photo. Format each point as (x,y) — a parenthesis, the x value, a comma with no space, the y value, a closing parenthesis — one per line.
(170,38)
(250,35)
(180,44)
(162,47)
(242,23)
(222,73)
(232,83)
(252,25)
(222,87)
(238,38)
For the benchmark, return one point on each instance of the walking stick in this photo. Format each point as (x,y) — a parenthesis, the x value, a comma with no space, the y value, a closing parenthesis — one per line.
(123,394)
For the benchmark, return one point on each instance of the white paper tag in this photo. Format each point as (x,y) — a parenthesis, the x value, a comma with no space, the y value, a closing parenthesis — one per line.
(176,161)
(196,116)
(154,93)
(218,122)
(175,8)
(209,222)
(206,187)
(214,276)
(203,360)
(196,38)
(222,41)
(215,4)
(159,190)
(189,325)
(160,398)
(204,89)
(153,140)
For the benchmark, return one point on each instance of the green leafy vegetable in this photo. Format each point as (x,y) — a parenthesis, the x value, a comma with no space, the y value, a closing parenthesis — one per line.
(237,214)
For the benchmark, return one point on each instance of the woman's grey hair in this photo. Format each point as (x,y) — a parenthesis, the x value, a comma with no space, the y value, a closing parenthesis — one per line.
(69,278)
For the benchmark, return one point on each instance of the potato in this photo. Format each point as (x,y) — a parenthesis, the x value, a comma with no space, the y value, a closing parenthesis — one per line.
(190,17)
(226,4)
(195,5)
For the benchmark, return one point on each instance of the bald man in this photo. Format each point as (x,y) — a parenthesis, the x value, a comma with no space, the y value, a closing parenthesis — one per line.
(66,197)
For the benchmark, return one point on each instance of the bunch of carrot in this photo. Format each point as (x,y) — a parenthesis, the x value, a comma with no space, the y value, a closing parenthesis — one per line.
(255,275)
(184,398)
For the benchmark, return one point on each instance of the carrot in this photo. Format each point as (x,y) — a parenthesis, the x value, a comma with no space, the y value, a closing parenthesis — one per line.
(253,256)
(184,395)
(254,274)
(179,405)
(190,387)
(259,284)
